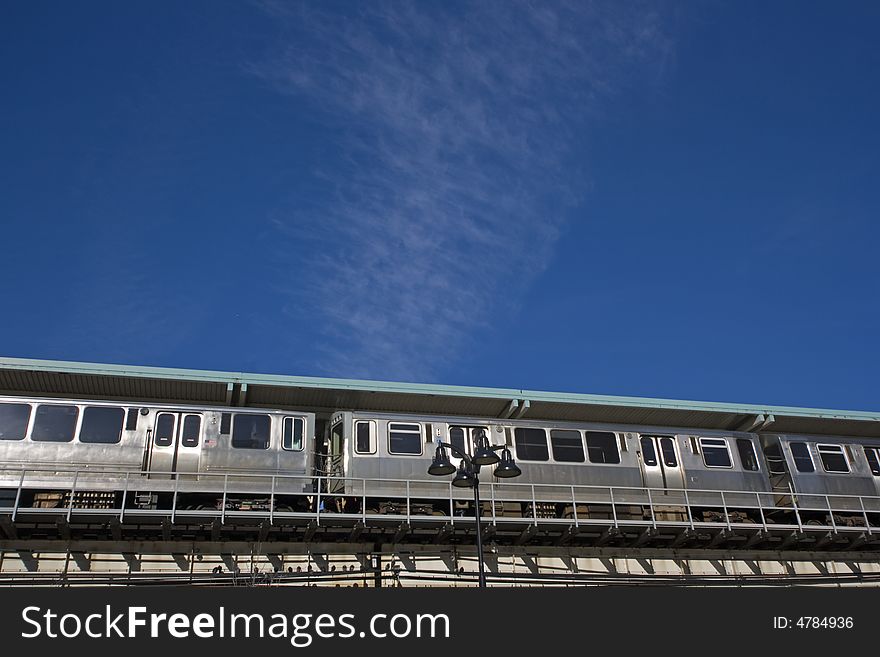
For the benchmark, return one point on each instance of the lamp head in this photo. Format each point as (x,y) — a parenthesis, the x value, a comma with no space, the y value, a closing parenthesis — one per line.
(440,465)
(483,455)
(464,478)
(507,467)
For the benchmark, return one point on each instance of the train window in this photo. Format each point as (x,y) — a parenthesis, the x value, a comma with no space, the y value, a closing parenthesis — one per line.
(164,430)
(14,421)
(567,446)
(531,444)
(833,459)
(192,428)
(800,452)
(250,431)
(456,438)
(649,454)
(55,424)
(404,438)
(225,421)
(131,420)
(873,460)
(667,448)
(602,447)
(292,434)
(747,454)
(716,454)
(101,424)
(364,437)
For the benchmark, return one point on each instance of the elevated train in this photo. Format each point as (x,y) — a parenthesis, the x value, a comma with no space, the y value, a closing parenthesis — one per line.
(367,462)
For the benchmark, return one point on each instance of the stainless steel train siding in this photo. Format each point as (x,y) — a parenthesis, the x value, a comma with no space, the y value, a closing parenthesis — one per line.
(194,444)
(201,445)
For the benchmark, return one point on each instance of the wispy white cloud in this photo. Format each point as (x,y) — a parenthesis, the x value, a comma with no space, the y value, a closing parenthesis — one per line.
(457,129)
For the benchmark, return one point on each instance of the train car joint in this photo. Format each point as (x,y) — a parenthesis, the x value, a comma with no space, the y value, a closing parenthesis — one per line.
(115,529)
(311,528)
(264,531)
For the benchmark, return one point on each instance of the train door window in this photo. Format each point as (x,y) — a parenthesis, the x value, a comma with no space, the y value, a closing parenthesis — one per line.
(131,419)
(747,454)
(101,424)
(164,429)
(456,438)
(833,458)
(716,453)
(800,452)
(404,438)
(567,446)
(225,421)
(365,437)
(14,420)
(292,430)
(55,424)
(192,429)
(649,454)
(531,444)
(667,449)
(873,460)
(251,431)
(602,447)
(774,458)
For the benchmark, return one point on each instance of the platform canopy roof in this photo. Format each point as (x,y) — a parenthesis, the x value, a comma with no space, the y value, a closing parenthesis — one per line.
(21,376)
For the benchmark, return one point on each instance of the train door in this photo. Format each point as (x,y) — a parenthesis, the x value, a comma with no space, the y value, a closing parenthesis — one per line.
(176,444)
(335,459)
(661,467)
(463,438)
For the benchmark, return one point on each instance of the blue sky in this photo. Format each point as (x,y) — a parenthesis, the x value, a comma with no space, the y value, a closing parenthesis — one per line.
(669,199)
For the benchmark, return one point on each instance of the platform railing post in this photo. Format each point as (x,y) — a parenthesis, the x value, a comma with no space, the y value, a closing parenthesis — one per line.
(613,506)
(18,495)
(574,507)
(831,514)
(272,503)
(761,511)
(124,496)
(687,506)
(651,506)
(451,505)
(223,501)
(318,502)
(408,503)
(865,515)
(174,497)
(726,514)
(72,495)
(534,507)
(364,501)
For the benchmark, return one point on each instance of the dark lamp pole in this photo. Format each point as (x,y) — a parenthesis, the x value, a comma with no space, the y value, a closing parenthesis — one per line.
(468,475)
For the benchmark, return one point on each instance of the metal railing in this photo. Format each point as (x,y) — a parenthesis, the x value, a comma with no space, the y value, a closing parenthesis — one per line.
(540,504)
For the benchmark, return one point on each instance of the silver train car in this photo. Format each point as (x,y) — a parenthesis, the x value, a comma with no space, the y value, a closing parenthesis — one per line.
(366,462)
(113,445)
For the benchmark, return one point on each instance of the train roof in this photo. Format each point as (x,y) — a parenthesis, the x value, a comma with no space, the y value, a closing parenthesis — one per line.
(21,376)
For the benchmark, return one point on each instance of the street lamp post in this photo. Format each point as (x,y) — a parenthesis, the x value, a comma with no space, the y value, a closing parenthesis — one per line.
(468,475)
